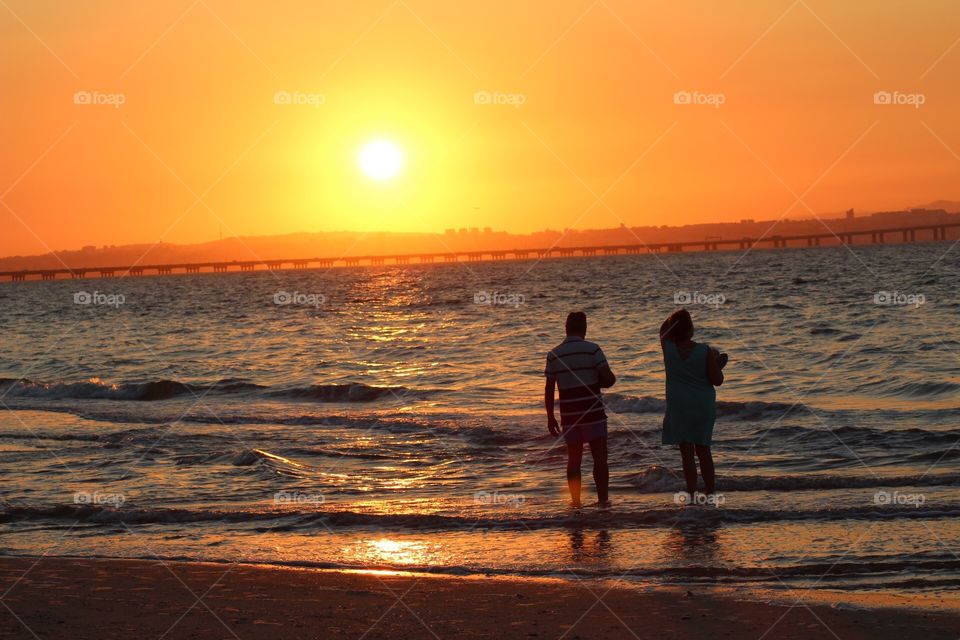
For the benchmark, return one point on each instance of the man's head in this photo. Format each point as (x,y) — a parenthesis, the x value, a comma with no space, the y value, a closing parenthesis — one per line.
(577,324)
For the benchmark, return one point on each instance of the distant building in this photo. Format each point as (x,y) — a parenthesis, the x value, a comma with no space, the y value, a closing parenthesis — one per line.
(449,232)
(849,214)
(747,221)
(889,214)
(932,213)
(487,230)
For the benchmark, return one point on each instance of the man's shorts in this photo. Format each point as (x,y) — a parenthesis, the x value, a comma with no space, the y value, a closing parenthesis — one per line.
(578,434)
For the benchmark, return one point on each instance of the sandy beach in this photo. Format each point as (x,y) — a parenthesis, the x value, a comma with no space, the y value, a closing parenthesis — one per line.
(52,597)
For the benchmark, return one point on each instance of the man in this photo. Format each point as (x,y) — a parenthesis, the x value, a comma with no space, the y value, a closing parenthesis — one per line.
(580,370)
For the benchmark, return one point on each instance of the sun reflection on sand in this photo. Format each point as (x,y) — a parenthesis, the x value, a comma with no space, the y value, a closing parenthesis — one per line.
(379,572)
(387,551)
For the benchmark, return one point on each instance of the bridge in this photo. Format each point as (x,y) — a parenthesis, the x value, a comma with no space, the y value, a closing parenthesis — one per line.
(933,232)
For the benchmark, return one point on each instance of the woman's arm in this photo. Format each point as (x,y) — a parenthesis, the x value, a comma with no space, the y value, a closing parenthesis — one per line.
(714,371)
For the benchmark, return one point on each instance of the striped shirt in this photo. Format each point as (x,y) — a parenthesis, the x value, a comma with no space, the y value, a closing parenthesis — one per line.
(574,364)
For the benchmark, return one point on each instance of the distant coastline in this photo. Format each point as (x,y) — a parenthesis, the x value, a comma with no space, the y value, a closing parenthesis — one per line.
(344,244)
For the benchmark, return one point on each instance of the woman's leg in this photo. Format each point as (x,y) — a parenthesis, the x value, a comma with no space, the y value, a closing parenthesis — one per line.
(706,467)
(574,457)
(601,472)
(689,467)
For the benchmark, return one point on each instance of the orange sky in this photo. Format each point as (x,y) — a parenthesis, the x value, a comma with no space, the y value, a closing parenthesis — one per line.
(200,144)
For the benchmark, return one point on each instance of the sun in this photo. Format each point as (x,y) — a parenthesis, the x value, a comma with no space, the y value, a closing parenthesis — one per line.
(380,159)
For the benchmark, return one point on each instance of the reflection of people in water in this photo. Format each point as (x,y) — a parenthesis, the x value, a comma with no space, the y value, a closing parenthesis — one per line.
(594,548)
(695,542)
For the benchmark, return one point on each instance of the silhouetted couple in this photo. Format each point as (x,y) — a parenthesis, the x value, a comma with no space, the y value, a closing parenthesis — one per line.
(579,369)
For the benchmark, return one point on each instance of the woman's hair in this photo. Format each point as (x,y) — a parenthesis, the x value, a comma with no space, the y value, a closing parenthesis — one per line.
(677,327)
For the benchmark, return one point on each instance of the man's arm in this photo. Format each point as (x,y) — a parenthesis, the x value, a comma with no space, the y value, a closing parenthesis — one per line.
(548,397)
(604,374)
(607,379)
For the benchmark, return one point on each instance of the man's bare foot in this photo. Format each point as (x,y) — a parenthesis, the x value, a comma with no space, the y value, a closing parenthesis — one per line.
(603,505)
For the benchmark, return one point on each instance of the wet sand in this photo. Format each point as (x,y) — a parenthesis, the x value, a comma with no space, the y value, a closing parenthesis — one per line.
(54,597)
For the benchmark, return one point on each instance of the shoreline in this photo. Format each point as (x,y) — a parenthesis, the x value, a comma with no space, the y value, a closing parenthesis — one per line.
(832,597)
(118,598)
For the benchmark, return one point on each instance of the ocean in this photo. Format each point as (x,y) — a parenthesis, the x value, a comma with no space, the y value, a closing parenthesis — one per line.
(391,417)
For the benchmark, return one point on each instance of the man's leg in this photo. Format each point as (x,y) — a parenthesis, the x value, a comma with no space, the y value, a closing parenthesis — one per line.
(574,457)
(601,472)
(689,466)
(706,467)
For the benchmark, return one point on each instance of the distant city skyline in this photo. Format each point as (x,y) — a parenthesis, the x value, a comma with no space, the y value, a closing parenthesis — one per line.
(346,244)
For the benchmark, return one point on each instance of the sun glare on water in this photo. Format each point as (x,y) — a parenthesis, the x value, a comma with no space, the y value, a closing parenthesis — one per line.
(380,159)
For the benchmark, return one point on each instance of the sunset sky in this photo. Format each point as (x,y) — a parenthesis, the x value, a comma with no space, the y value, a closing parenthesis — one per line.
(583,131)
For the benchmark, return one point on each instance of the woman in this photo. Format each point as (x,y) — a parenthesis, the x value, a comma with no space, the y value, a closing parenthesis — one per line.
(693,370)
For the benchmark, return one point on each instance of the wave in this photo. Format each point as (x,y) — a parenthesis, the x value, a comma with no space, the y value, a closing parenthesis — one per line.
(94,389)
(745,410)
(935,569)
(274,520)
(658,479)
(351,392)
(122,437)
(618,403)
(217,445)
(774,305)
(824,331)
(896,388)
(924,389)
(97,389)
(856,435)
